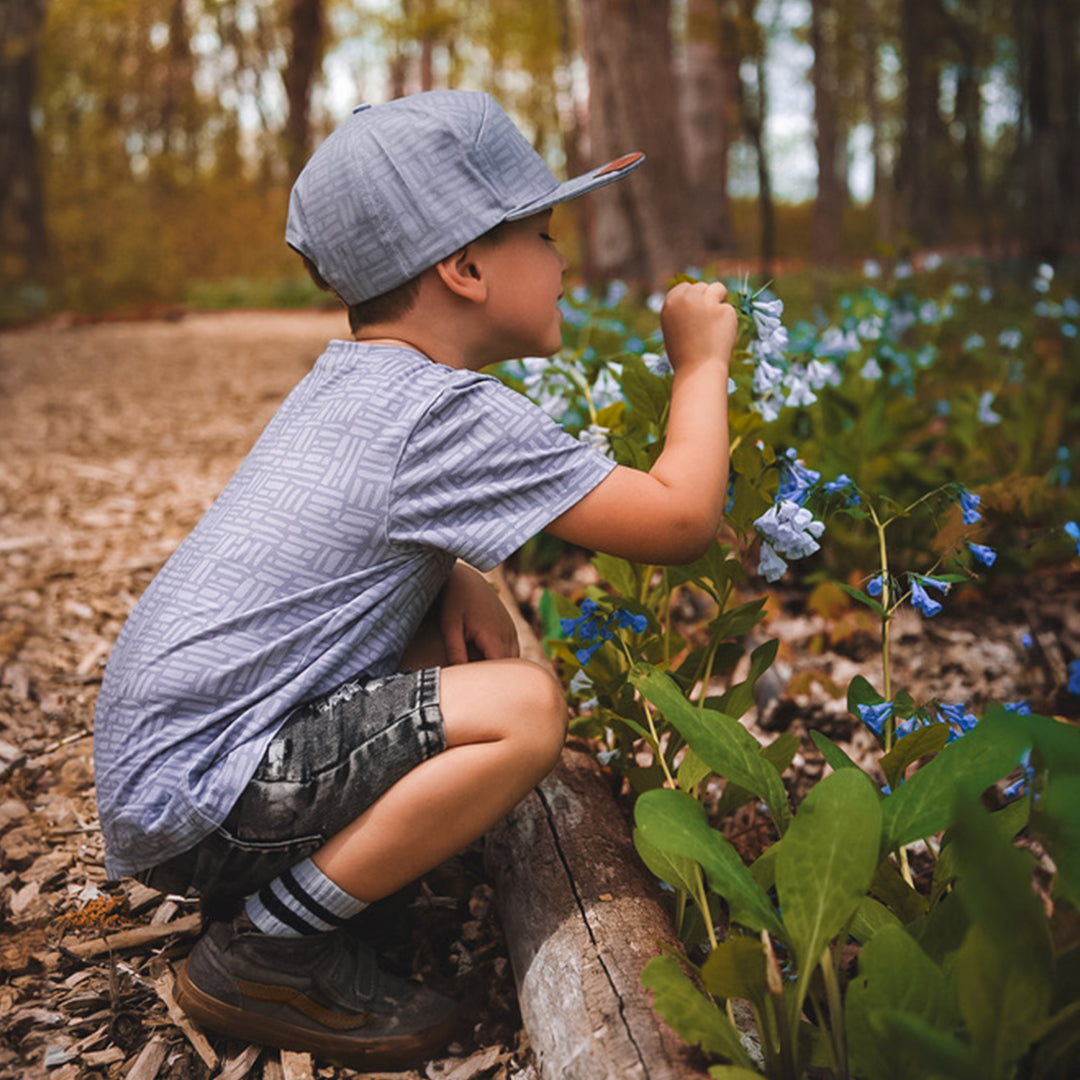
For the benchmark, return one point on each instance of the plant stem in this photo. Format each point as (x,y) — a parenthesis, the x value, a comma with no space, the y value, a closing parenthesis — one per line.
(703,902)
(836,1013)
(658,752)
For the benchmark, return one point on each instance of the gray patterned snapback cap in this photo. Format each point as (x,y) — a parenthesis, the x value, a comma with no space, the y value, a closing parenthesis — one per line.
(400,186)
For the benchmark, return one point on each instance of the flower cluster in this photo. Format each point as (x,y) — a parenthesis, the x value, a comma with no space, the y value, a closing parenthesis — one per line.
(593,627)
(789,531)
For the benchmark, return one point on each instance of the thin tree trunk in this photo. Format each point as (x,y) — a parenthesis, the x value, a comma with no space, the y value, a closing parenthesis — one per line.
(642,230)
(882,196)
(22,199)
(828,203)
(709,99)
(305,57)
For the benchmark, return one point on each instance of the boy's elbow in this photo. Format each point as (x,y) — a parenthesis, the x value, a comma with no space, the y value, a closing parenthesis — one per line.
(689,538)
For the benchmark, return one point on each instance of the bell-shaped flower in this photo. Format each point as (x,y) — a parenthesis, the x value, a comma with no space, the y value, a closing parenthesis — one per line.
(969,506)
(922,601)
(986,555)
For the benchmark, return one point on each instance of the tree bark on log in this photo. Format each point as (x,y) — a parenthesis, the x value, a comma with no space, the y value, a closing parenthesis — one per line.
(582,917)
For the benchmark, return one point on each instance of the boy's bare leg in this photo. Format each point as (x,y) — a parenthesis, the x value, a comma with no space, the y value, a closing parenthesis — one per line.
(505,723)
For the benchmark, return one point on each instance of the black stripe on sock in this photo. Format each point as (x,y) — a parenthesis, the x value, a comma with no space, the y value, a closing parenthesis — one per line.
(283,913)
(288,879)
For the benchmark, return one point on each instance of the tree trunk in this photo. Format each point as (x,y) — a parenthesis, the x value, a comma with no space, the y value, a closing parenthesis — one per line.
(1049,32)
(753,110)
(305,57)
(828,203)
(22,200)
(642,227)
(709,98)
(882,195)
(582,917)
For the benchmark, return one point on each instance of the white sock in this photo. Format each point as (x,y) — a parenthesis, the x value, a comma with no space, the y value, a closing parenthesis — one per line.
(301,901)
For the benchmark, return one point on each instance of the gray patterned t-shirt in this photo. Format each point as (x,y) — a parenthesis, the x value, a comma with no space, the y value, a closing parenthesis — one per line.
(315,565)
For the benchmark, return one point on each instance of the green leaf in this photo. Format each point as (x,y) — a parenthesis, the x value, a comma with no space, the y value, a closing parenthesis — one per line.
(826,864)
(919,744)
(923,804)
(862,597)
(1004,968)
(695,1017)
(871,917)
(1058,826)
(831,752)
(719,740)
(692,770)
(676,870)
(860,692)
(940,1054)
(733,1072)
(889,887)
(737,621)
(740,697)
(618,573)
(646,394)
(895,975)
(779,753)
(736,969)
(675,824)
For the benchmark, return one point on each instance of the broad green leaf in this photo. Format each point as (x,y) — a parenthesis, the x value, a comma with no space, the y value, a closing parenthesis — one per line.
(694,1016)
(940,1054)
(737,621)
(740,697)
(618,573)
(890,888)
(719,740)
(646,394)
(692,770)
(895,975)
(675,824)
(676,870)
(779,753)
(923,804)
(831,752)
(733,1072)
(1058,826)
(871,917)
(736,969)
(1004,968)
(860,692)
(826,864)
(919,744)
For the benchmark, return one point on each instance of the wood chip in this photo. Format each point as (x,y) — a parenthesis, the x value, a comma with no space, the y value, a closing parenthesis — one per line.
(296,1066)
(163,986)
(149,1061)
(468,1068)
(136,938)
(239,1066)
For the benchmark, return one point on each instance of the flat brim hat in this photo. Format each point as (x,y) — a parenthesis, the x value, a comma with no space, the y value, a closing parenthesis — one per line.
(400,186)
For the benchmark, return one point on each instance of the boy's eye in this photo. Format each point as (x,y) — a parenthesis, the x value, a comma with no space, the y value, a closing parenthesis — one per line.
(549,239)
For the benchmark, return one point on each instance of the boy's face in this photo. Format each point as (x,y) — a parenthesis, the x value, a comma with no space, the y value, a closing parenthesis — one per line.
(525,272)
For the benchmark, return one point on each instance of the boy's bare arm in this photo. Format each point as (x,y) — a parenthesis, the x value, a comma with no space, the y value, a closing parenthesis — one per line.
(670,514)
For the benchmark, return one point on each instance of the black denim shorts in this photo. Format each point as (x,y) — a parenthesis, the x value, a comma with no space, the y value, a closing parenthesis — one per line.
(332,759)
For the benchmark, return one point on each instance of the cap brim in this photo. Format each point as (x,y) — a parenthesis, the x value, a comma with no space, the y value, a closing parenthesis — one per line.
(580,185)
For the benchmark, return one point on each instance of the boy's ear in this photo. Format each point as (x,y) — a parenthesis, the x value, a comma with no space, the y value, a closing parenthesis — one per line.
(463,275)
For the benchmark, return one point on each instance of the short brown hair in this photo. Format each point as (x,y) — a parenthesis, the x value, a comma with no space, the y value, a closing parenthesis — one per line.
(390,305)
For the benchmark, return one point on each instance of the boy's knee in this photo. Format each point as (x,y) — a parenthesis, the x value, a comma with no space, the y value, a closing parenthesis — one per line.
(544,716)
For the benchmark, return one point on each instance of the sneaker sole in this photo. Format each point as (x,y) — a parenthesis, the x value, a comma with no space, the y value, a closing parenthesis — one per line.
(389,1052)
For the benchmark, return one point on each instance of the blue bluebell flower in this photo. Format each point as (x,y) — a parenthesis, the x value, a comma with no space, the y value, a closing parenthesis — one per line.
(973,342)
(570,627)
(770,566)
(628,620)
(906,727)
(767,377)
(1021,708)
(800,392)
(873,587)
(871,269)
(655,302)
(1068,330)
(1018,787)
(922,601)
(615,292)
(1026,640)
(822,373)
(790,529)
(1072,530)
(986,414)
(871,370)
(969,505)
(874,716)
(796,480)
(958,718)
(961,290)
(766,314)
(583,656)
(1073,685)
(1010,338)
(986,555)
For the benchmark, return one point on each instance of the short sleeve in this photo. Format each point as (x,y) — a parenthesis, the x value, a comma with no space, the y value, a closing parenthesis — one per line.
(484,470)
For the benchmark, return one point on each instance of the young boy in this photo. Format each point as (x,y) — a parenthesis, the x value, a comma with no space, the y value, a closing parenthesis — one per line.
(288,724)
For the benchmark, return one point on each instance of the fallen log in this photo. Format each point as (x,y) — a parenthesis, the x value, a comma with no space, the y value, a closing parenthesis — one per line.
(582,917)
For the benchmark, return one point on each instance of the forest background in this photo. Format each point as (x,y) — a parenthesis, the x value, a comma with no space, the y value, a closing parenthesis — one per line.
(147,146)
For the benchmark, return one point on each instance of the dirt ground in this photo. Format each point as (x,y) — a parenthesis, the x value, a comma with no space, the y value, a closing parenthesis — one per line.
(114,440)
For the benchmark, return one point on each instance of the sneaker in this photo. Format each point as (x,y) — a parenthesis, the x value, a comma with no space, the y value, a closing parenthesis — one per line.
(323,994)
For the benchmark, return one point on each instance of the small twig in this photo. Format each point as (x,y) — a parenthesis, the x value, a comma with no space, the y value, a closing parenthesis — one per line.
(134,938)
(163,986)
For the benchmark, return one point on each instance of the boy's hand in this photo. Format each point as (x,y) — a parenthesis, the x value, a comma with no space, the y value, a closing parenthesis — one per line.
(474,622)
(698,326)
